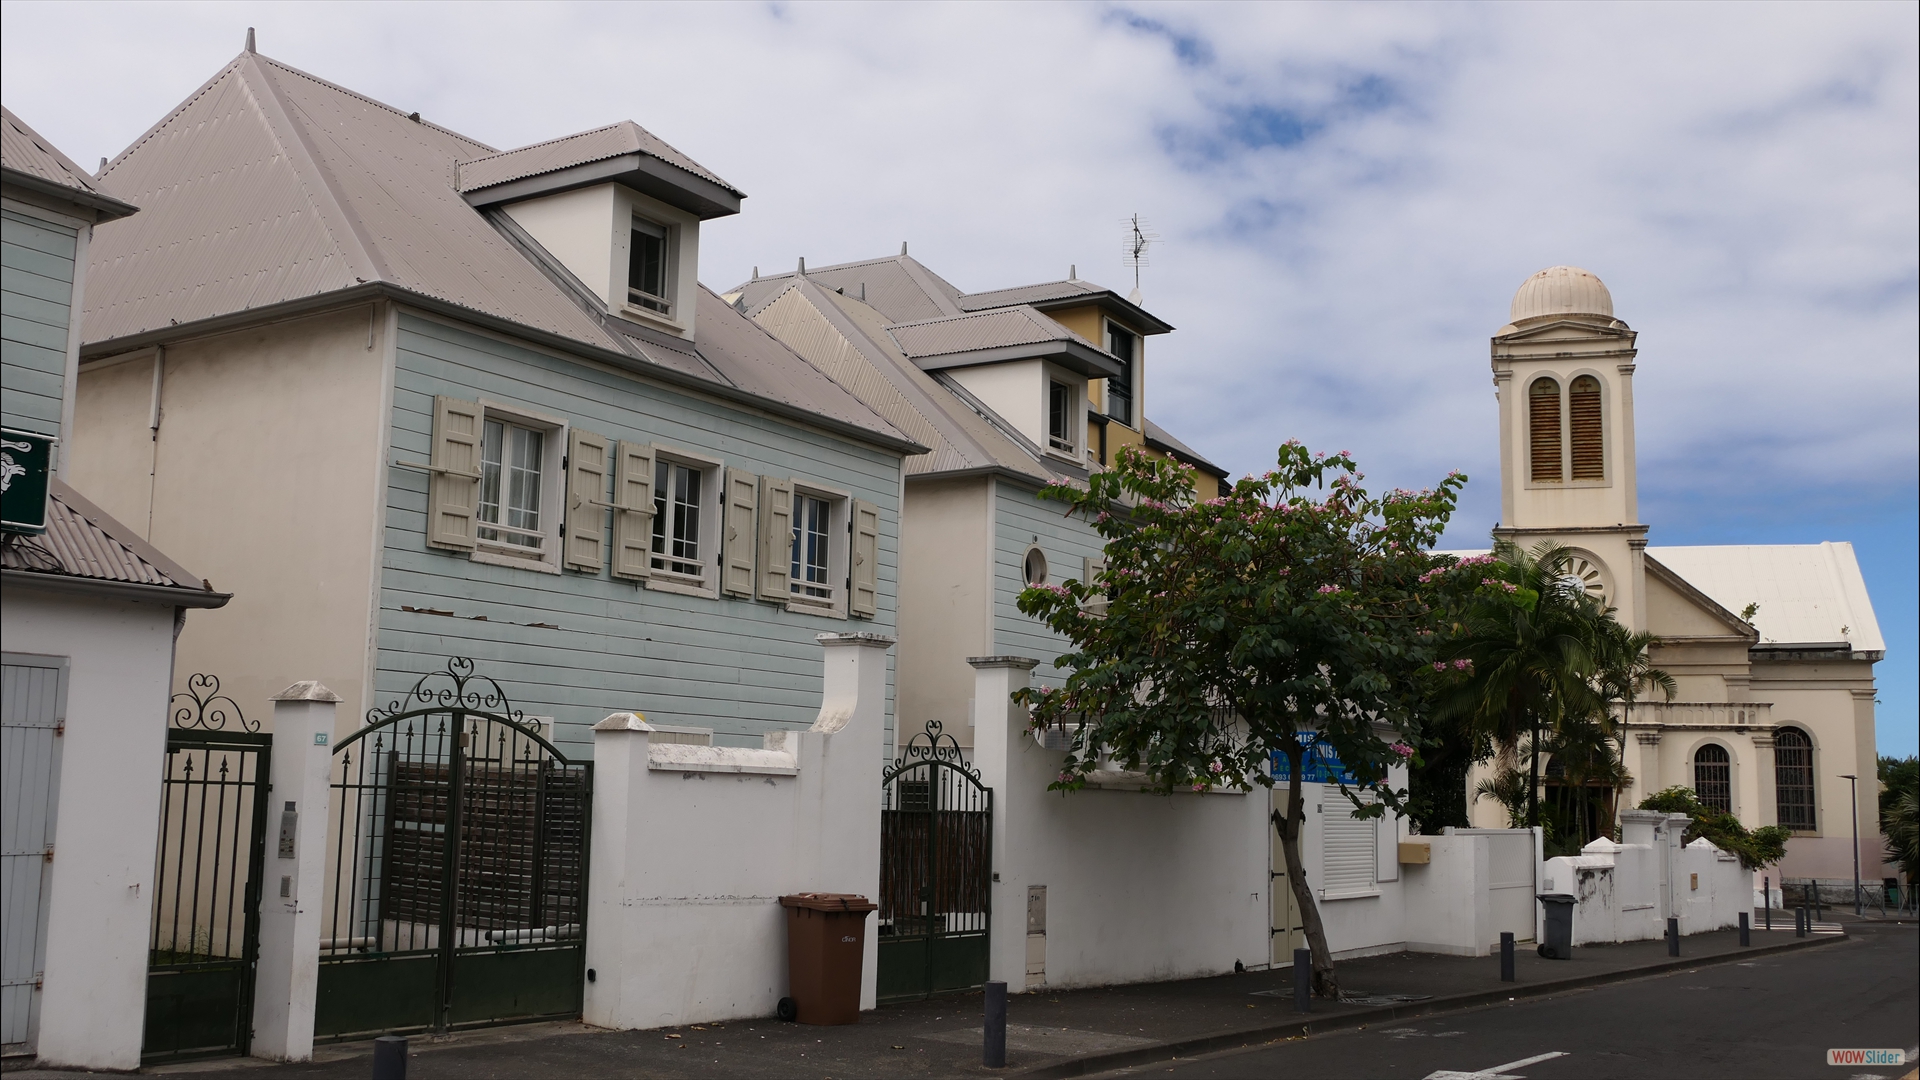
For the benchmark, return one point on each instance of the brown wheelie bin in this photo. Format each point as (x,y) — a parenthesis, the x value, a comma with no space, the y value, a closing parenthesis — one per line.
(826,942)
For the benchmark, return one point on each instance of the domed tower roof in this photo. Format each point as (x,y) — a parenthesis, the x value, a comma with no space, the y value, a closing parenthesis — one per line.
(1562,290)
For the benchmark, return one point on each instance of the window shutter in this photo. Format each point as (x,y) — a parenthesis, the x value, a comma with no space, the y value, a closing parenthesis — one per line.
(632,511)
(1346,845)
(453,487)
(865,599)
(1093,568)
(776,539)
(739,531)
(1583,416)
(586,547)
(1543,429)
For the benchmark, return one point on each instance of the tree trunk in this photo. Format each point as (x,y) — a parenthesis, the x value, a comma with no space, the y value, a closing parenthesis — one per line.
(1325,984)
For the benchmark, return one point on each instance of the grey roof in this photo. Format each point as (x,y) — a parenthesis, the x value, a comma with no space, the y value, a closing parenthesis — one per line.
(84,543)
(848,340)
(1070,293)
(1000,334)
(899,287)
(614,140)
(34,163)
(1161,439)
(269,187)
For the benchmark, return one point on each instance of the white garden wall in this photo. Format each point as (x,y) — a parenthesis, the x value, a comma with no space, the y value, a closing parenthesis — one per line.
(1627,891)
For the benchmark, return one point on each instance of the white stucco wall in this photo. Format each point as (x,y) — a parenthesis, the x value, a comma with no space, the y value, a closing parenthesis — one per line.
(120,654)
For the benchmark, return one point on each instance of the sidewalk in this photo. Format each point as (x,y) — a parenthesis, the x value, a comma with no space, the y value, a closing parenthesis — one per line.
(1061,1033)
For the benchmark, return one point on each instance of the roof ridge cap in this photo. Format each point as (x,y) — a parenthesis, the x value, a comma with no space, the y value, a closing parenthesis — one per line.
(352,93)
(560,139)
(232,66)
(308,168)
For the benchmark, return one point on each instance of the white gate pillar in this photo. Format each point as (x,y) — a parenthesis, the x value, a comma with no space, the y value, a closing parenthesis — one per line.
(1000,752)
(293,886)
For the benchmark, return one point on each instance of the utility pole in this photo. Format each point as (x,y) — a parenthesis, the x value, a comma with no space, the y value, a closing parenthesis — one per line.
(1853,791)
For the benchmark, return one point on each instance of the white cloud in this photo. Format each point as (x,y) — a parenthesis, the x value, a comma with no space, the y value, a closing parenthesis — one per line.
(1349,194)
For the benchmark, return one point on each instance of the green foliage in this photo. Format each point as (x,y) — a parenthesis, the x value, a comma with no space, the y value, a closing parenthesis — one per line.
(1756,848)
(1898,776)
(1901,825)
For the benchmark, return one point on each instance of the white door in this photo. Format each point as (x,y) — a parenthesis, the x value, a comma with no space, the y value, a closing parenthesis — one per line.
(33,704)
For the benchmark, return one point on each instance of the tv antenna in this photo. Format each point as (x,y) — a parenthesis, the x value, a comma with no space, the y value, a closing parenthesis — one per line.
(1140,237)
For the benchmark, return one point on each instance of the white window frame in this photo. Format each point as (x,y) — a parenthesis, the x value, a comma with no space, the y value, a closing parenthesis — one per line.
(683,252)
(713,505)
(1076,410)
(668,270)
(1133,378)
(839,544)
(553,483)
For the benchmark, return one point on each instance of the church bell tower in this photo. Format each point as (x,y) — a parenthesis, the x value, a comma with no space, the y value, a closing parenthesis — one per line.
(1563,372)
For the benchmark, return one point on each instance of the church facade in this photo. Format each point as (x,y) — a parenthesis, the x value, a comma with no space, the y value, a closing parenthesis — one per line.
(1772,646)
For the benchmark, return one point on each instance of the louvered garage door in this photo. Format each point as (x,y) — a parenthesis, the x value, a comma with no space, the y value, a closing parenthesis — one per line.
(32,706)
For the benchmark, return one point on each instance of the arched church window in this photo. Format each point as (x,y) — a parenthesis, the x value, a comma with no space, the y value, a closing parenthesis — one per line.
(1544,427)
(1793,778)
(1583,415)
(1713,778)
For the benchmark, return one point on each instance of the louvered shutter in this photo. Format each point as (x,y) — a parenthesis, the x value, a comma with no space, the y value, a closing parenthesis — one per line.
(776,539)
(1583,417)
(586,547)
(1347,853)
(739,532)
(453,486)
(865,599)
(1543,429)
(1092,568)
(632,511)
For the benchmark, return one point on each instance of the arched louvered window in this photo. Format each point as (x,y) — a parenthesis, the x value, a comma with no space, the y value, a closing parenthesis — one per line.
(1543,405)
(1583,415)
(1793,778)
(1713,778)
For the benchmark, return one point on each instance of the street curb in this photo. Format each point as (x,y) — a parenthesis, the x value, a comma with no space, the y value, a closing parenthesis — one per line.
(1207,1044)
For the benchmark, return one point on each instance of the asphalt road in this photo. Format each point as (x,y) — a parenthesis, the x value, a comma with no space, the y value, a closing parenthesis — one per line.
(1773,1017)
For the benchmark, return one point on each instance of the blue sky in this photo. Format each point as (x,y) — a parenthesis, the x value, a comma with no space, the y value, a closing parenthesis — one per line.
(1347,195)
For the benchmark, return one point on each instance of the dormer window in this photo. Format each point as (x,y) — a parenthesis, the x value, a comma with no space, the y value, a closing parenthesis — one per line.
(647,268)
(1062,407)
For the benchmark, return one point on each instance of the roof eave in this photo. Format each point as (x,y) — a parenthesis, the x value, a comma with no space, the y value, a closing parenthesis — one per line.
(1148,323)
(168,595)
(1071,355)
(104,207)
(1187,456)
(361,294)
(644,173)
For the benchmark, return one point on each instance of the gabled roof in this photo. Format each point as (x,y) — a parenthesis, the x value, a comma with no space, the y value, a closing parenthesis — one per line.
(1809,594)
(271,188)
(899,288)
(86,549)
(624,152)
(1053,295)
(36,164)
(1162,440)
(1012,333)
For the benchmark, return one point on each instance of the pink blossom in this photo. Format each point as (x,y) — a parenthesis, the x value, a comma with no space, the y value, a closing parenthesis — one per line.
(1439,665)
(1402,749)
(1326,590)
(1463,665)
(1199,787)
(1217,767)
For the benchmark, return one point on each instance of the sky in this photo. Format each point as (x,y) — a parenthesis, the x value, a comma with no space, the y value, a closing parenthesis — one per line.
(1346,198)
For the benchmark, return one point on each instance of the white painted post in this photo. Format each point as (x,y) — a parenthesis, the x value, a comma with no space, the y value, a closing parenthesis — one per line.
(286,979)
(839,848)
(997,725)
(620,745)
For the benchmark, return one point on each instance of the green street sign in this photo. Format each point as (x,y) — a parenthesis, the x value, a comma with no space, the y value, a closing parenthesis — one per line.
(26,460)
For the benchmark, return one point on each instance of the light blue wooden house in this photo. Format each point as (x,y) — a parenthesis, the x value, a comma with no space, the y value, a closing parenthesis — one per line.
(411,397)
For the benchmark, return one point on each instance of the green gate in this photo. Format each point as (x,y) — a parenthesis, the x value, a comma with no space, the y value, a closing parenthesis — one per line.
(205,932)
(457,882)
(936,871)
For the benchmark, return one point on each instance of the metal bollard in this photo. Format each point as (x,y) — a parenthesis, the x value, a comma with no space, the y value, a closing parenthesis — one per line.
(1766,898)
(1506,956)
(1746,930)
(1303,980)
(994,1054)
(390,1058)
(1800,922)
(1673,937)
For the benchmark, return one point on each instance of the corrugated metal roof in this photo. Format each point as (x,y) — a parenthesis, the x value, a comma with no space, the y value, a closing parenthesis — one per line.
(898,287)
(23,151)
(614,140)
(984,330)
(1157,434)
(1808,593)
(270,185)
(1028,294)
(84,541)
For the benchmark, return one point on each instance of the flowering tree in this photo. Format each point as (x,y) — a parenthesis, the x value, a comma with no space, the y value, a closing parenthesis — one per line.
(1293,613)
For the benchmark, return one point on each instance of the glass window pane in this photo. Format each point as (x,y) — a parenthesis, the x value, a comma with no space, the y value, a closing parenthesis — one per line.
(647,266)
(811,536)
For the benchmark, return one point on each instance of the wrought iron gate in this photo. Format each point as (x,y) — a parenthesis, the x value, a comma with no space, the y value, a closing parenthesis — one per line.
(205,936)
(457,880)
(936,871)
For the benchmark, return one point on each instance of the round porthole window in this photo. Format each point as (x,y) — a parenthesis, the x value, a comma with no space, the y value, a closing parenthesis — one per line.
(1036,567)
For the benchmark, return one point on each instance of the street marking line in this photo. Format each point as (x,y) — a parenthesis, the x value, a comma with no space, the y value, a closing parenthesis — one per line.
(1498,1072)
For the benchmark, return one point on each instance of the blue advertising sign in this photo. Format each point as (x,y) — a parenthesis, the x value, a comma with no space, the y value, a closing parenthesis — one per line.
(1322,765)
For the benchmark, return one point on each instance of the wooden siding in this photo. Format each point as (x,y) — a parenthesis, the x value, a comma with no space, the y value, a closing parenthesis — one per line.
(36,294)
(578,646)
(1021,515)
